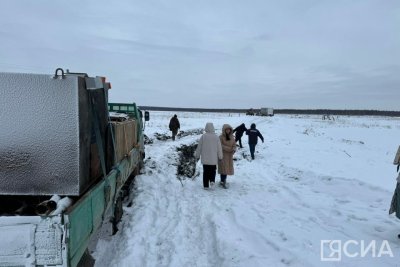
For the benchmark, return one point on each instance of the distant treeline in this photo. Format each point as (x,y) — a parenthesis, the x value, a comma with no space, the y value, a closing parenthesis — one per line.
(348,112)
(193,109)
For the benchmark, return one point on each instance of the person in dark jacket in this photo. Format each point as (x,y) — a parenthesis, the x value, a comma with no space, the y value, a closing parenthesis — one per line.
(253,134)
(239,131)
(174,126)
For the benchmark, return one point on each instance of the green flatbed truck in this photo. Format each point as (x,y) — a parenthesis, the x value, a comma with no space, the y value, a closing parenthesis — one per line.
(62,239)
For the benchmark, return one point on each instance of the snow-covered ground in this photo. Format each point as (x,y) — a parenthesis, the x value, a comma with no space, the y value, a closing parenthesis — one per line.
(312,180)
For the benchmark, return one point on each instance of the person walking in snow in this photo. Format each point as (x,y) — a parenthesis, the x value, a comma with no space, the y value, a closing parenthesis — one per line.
(228,143)
(210,151)
(174,126)
(395,204)
(239,133)
(253,134)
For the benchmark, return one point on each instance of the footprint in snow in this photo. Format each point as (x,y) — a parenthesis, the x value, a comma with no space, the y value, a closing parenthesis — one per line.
(350,217)
(273,190)
(336,213)
(342,201)
(379,229)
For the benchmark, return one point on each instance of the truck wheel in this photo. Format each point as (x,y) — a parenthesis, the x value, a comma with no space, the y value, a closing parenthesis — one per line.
(118,211)
(86,260)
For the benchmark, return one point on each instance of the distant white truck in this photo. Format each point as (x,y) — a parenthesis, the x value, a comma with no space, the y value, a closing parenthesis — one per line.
(266,112)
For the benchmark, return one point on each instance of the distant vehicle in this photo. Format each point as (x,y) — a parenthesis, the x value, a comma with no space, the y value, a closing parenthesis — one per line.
(250,112)
(328,117)
(266,112)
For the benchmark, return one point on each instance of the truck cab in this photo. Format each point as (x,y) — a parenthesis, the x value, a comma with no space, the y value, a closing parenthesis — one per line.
(266,112)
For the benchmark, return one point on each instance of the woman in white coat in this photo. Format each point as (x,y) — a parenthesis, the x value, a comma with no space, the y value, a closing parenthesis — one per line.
(210,151)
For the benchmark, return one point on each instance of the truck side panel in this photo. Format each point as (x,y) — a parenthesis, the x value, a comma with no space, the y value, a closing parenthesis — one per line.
(80,226)
(85,217)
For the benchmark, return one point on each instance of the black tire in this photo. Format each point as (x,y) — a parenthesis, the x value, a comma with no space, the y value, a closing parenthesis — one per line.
(86,260)
(118,211)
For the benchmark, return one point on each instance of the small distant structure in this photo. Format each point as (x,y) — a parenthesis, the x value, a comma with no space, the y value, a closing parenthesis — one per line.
(328,117)
(250,112)
(266,112)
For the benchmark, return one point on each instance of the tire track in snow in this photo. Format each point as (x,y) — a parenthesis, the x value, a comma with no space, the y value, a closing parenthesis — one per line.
(162,246)
(174,224)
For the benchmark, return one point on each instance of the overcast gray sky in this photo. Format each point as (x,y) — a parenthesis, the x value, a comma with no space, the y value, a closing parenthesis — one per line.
(215,54)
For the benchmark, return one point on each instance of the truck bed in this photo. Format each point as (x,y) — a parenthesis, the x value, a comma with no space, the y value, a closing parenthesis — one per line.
(62,240)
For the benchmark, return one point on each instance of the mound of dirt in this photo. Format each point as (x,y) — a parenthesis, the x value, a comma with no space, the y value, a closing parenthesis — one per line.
(190,132)
(162,136)
(167,136)
(187,161)
(148,140)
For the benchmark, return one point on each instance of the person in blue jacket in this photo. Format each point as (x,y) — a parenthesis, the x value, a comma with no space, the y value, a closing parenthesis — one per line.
(253,134)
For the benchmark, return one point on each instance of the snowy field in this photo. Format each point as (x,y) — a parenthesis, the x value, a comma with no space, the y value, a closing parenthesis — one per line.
(312,180)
